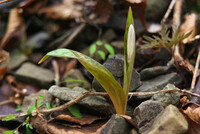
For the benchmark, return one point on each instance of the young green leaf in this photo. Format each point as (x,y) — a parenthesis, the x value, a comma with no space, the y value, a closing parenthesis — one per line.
(99,42)
(103,76)
(9,117)
(32,108)
(102,54)
(18,109)
(74,80)
(48,106)
(74,110)
(9,132)
(41,97)
(92,49)
(110,49)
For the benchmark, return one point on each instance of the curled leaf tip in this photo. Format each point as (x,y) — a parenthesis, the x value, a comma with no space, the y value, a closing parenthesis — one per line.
(130,42)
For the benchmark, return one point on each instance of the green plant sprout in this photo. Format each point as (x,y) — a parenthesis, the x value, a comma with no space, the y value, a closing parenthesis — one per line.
(93,48)
(115,91)
(164,40)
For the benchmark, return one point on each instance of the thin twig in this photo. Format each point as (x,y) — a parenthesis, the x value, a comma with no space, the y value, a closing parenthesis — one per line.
(93,93)
(72,36)
(169,10)
(195,72)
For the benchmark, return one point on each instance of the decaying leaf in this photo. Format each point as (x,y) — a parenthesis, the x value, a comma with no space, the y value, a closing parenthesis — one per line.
(193,112)
(190,24)
(102,10)
(87,119)
(68,9)
(15,29)
(4,60)
(33,6)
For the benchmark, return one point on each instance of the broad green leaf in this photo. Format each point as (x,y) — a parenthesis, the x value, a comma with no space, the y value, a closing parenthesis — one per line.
(74,110)
(99,42)
(128,66)
(92,49)
(103,76)
(9,117)
(110,49)
(8,132)
(102,54)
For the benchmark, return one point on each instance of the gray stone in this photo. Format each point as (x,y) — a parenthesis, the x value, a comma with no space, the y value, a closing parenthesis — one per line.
(118,46)
(96,103)
(167,98)
(115,65)
(109,35)
(34,75)
(169,121)
(155,10)
(29,101)
(158,83)
(16,59)
(37,40)
(146,111)
(116,125)
(74,78)
(152,72)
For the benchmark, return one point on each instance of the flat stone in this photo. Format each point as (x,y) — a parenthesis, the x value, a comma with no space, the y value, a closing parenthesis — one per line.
(158,83)
(149,73)
(146,111)
(167,98)
(74,78)
(116,125)
(29,101)
(169,121)
(115,65)
(16,59)
(96,103)
(34,75)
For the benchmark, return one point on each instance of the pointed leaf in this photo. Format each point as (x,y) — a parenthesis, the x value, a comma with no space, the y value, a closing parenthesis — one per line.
(103,76)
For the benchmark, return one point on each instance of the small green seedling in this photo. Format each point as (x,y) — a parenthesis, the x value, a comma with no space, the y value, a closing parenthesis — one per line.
(115,91)
(95,46)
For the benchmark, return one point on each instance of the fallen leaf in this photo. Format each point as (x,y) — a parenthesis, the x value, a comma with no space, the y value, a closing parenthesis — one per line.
(15,29)
(193,112)
(87,119)
(68,9)
(102,11)
(190,24)
(33,6)
(4,60)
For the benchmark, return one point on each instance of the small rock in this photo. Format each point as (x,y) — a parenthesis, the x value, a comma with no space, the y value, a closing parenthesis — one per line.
(16,59)
(29,101)
(38,40)
(152,72)
(115,65)
(169,121)
(147,111)
(158,83)
(96,103)
(116,125)
(167,98)
(34,75)
(74,78)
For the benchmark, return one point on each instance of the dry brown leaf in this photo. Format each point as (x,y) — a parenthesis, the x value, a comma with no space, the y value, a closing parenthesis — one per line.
(66,10)
(4,60)
(193,112)
(15,29)
(87,119)
(102,11)
(33,6)
(42,126)
(191,23)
